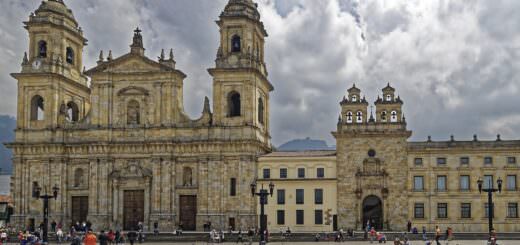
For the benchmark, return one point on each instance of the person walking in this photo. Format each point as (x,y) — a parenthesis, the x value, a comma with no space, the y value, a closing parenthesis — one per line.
(53,226)
(372,234)
(90,238)
(409,226)
(59,235)
(103,238)
(240,239)
(449,235)
(424,237)
(132,236)
(437,234)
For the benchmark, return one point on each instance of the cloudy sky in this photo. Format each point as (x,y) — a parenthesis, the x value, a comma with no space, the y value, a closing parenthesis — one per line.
(454,63)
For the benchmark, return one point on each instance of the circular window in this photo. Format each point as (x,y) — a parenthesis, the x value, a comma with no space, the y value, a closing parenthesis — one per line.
(371,153)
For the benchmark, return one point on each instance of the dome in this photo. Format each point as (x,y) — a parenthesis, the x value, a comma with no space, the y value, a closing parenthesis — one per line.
(55,7)
(241,8)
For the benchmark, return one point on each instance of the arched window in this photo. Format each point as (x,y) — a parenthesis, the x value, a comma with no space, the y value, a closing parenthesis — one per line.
(78,177)
(37,108)
(383,116)
(234,104)
(133,113)
(187,176)
(388,97)
(261,110)
(359,117)
(70,56)
(354,98)
(42,49)
(72,112)
(349,117)
(236,45)
(393,117)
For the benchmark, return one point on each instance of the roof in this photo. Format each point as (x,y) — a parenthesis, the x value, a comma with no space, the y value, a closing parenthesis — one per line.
(322,153)
(5,199)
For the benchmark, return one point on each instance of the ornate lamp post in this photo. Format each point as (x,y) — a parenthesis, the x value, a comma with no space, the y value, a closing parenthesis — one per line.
(263,193)
(491,206)
(36,194)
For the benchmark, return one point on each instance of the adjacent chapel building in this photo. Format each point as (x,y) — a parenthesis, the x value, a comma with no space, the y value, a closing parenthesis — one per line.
(117,143)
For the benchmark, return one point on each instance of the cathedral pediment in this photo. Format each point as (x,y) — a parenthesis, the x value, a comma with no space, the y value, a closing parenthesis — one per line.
(129,63)
(132,170)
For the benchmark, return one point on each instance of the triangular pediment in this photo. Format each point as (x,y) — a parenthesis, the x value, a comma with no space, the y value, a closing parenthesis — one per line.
(129,63)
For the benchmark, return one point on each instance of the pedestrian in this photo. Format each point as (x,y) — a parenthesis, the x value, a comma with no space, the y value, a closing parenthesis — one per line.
(437,234)
(449,235)
(156,228)
(103,238)
(59,235)
(90,238)
(53,226)
(424,237)
(409,226)
(406,242)
(372,234)
(132,236)
(111,236)
(3,237)
(239,239)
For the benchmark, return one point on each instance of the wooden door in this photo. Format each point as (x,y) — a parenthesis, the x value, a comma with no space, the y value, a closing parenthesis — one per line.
(133,209)
(188,212)
(79,209)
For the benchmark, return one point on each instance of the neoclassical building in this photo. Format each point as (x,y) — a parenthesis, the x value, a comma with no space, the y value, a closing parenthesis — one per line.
(116,140)
(120,146)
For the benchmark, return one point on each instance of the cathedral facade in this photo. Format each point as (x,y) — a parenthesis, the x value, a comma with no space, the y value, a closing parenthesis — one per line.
(120,147)
(117,143)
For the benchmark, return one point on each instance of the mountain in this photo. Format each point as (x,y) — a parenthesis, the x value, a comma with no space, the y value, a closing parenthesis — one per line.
(306,144)
(7,126)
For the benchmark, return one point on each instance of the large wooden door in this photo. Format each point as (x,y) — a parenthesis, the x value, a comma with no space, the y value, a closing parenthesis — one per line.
(188,212)
(79,209)
(133,209)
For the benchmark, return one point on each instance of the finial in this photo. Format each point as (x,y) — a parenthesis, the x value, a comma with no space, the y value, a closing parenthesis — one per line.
(109,58)
(452,138)
(84,69)
(25,61)
(161,58)
(206,105)
(354,85)
(404,118)
(371,119)
(101,56)
(498,137)
(171,54)
(137,43)
(429,138)
(475,137)
(339,118)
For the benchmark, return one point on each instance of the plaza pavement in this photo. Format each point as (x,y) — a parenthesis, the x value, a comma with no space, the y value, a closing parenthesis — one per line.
(473,242)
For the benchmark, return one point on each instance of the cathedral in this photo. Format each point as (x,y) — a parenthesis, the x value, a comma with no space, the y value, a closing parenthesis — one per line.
(117,143)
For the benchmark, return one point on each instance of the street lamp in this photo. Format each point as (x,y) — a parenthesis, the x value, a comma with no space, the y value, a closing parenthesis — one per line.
(491,206)
(36,194)
(263,193)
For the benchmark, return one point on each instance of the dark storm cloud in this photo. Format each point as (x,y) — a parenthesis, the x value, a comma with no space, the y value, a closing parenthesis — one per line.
(454,63)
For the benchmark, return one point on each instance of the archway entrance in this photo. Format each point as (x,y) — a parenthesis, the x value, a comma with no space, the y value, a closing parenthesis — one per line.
(373,212)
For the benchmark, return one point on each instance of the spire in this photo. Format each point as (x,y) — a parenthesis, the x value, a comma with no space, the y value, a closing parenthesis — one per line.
(206,105)
(137,43)
(371,119)
(100,57)
(109,58)
(171,54)
(25,61)
(161,58)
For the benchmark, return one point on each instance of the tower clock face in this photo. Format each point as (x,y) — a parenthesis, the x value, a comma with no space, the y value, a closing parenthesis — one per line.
(36,64)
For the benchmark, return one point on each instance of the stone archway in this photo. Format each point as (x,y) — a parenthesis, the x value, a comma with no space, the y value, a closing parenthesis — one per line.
(372,210)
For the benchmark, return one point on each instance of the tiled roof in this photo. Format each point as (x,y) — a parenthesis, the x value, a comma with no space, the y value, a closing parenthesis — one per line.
(301,154)
(5,199)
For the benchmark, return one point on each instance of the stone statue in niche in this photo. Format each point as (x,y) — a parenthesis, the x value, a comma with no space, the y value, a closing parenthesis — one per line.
(187,177)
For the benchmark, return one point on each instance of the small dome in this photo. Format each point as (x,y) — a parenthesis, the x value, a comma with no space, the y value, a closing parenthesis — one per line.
(241,8)
(56,7)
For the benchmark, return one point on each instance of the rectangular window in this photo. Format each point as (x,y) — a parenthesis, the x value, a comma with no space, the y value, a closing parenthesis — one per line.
(280,196)
(320,172)
(299,196)
(511,183)
(418,161)
(465,210)
(283,173)
(318,196)
(233,187)
(511,160)
(488,182)
(301,173)
(441,161)
(318,217)
(280,217)
(488,160)
(441,183)
(418,183)
(486,210)
(267,173)
(464,182)
(464,161)
(299,217)
(512,210)
(418,212)
(442,210)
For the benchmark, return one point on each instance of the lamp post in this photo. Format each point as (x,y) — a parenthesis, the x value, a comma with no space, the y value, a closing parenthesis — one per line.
(263,193)
(491,206)
(36,194)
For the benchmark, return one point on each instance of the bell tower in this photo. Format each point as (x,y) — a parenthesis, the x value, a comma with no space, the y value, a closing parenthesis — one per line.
(389,108)
(51,86)
(240,85)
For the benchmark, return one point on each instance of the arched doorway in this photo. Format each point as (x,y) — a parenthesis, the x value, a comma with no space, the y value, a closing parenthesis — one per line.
(373,212)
